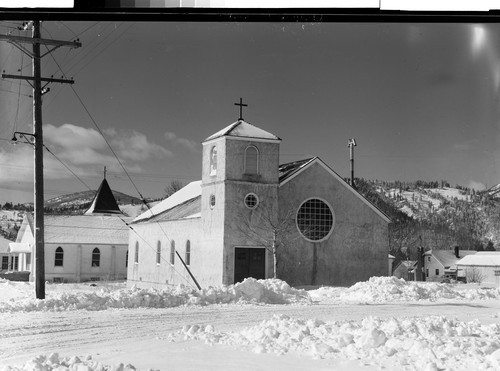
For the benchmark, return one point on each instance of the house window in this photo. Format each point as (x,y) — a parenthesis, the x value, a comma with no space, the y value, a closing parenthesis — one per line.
(158,253)
(59,257)
(212,201)
(251,201)
(427,272)
(187,258)
(126,259)
(428,259)
(16,263)
(96,257)
(497,273)
(315,220)
(172,252)
(5,262)
(136,256)
(251,160)
(437,272)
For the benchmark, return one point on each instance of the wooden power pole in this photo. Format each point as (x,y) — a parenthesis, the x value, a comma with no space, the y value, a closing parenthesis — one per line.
(36,83)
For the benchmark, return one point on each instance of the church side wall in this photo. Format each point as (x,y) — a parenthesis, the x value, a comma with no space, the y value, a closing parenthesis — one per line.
(147,273)
(77,263)
(357,248)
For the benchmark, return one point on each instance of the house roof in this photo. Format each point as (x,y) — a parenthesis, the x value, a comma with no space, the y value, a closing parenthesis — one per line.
(482,258)
(243,129)
(85,229)
(4,245)
(409,264)
(293,169)
(447,257)
(190,208)
(104,202)
(190,191)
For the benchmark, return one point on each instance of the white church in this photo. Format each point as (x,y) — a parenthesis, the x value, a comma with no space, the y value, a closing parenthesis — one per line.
(220,229)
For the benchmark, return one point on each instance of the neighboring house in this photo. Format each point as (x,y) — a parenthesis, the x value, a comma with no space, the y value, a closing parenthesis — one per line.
(78,248)
(405,269)
(484,265)
(9,261)
(337,237)
(439,264)
(391,263)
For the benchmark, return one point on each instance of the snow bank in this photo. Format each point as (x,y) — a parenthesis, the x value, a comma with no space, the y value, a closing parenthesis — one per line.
(271,291)
(55,362)
(429,343)
(393,289)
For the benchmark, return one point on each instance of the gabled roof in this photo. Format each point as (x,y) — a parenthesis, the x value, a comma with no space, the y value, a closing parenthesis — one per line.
(104,202)
(244,130)
(190,191)
(408,264)
(482,258)
(300,167)
(287,170)
(188,209)
(447,257)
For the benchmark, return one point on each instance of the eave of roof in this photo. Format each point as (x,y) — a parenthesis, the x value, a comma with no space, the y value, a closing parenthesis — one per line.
(244,129)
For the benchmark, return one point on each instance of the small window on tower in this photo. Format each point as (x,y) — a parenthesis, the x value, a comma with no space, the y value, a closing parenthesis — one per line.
(213,161)
(251,160)
(251,201)
(212,201)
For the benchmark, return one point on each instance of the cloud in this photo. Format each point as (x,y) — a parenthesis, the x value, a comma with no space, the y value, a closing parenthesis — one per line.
(135,146)
(187,143)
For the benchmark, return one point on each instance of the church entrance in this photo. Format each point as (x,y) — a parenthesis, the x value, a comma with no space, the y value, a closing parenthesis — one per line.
(249,262)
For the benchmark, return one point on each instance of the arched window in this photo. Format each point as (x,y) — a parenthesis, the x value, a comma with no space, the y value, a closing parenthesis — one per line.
(96,257)
(59,257)
(126,260)
(213,161)
(187,258)
(251,160)
(136,256)
(315,220)
(158,253)
(172,252)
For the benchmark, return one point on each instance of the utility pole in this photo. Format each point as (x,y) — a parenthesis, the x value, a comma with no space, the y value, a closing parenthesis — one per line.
(351,143)
(37,135)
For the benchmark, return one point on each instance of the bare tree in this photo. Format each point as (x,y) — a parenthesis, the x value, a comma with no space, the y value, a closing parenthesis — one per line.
(269,228)
(474,275)
(173,187)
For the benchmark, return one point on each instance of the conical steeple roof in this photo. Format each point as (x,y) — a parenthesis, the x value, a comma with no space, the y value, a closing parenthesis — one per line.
(104,202)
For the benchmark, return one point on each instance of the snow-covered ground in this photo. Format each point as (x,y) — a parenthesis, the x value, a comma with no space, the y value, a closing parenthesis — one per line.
(384,323)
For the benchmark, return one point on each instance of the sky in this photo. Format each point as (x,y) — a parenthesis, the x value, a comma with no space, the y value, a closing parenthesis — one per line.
(421,100)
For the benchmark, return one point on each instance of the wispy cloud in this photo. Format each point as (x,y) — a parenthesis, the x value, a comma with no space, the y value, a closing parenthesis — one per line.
(187,143)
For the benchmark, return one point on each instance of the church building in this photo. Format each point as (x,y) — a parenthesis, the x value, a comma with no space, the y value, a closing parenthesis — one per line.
(79,248)
(224,228)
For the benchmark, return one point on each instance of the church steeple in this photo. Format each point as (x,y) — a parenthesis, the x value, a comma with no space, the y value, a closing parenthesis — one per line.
(104,202)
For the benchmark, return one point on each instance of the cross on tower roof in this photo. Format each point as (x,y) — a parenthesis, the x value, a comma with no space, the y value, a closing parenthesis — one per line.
(241,108)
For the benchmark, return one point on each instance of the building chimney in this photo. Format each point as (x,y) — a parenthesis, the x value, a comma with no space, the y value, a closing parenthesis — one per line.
(456,252)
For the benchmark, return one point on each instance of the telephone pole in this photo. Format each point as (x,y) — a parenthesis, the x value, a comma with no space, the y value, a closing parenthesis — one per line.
(37,135)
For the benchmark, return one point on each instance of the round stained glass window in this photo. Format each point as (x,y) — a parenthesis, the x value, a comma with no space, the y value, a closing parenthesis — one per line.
(251,201)
(315,219)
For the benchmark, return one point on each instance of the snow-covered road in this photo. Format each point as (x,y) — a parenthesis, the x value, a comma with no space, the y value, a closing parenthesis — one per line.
(154,337)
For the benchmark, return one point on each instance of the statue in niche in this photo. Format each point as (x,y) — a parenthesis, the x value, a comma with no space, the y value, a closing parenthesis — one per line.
(213,161)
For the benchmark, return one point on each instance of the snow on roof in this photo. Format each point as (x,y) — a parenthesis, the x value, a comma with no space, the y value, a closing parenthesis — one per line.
(242,128)
(186,193)
(4,245)
(447,257)
(18,247)
(483,258)
(286,170)
(187,210)
(86,229)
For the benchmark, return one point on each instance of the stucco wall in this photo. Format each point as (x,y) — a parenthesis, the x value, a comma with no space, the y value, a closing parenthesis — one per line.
(356,250)
(148,273)
(77,263)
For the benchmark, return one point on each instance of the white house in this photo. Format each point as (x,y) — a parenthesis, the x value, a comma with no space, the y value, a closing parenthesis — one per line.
(485,265)
(78,248)
(9,260)
(223,226)
(443,263)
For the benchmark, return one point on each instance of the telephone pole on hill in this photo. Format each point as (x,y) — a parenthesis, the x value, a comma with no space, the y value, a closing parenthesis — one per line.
(36,83)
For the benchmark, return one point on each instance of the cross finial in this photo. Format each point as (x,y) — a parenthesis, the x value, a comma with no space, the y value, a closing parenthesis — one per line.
(241,108)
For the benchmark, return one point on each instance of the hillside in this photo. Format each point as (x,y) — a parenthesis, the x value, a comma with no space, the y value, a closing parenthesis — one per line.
(430,216)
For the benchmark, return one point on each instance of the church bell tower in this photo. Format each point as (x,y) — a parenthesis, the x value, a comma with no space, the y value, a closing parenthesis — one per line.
(239,190)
